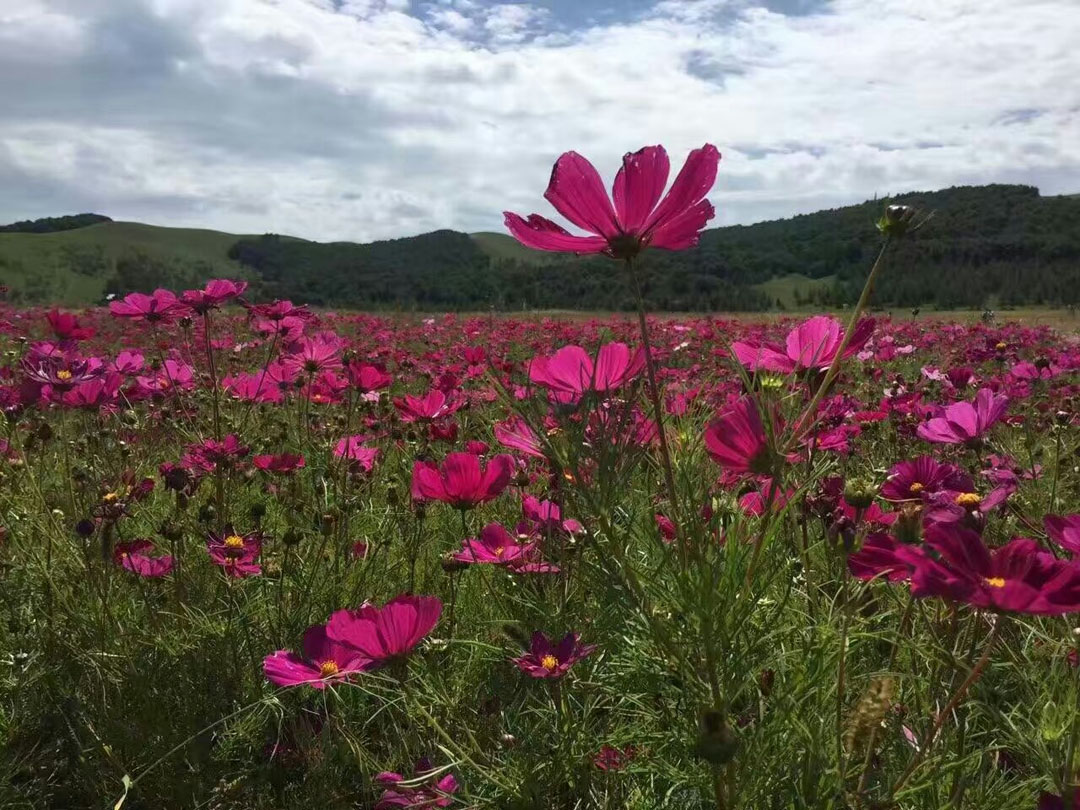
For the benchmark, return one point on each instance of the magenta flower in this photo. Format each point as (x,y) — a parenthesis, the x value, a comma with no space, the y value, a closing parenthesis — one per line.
(516,434)
(877,559)
(546,516)
(133,556)
(495,546)
(360,457)
(812,344)
(280,465)
(213,295)
(383,633)
(545,660)
(236,554)
(965,421)
(636,221)
(461,481)
(736,440)
(402,792)
(366,378)
(67,327)
(922,477)
(1065,531)
(1018,577)
(435,404)
(160,307)
(570,372)
(324,661)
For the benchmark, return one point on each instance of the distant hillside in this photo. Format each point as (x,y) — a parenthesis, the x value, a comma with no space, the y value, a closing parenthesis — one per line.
(53,224)
(992,245)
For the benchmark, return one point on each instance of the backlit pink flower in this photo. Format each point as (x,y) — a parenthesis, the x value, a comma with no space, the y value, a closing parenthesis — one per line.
(965,421)
(736,440)
(133,556)
(213,295)
(324,661)
(495,546)
(812,344)
(160,307)
(383,633)
(461,481)
(636,221)
(435,404)
(570,372)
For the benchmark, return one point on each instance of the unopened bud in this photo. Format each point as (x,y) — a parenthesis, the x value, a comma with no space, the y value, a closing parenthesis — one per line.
(716,743)
(859,493)
(899,220)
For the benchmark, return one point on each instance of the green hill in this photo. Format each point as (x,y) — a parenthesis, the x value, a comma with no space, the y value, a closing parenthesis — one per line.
(1001,245)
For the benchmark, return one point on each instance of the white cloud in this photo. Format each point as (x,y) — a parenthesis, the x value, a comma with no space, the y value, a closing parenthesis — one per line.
(377,118)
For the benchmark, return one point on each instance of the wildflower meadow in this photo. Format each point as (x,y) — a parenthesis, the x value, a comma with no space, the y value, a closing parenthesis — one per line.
(254,555)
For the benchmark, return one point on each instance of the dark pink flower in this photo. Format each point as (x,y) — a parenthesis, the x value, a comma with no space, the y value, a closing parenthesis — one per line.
(516,434)
(495,546)
(213,295)
(547,660)
(360,457)
(236,554)
(877,559)
(383,633)
(636,221)
(1065,531)
(67,327)
(133,555)
(367,378)
(737,441)
(570,372)
(812,344)
(609,758)
(461,481)
(435,404)
(965,421)
(324,661)
(402,792)
(922,477)
(281,464)
(160,307)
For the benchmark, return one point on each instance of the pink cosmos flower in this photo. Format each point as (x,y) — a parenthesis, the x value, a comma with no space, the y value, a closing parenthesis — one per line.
(435,404)
(609,758)
(133,556)
(324,661)
(810,345)
(547,660)
(736,440)
(461,481)
(921,478)
(878,559)
(1018,577)
(281,464)
(237,555)
(402,792)
(495,546)
(570,372)
(382,633)
(636,221)
(1065,531)
(546,516)
(367,378)
(360,457)
(963,422)
(161,307)
(313,355)
(67,327)
(213,295)
(516,434)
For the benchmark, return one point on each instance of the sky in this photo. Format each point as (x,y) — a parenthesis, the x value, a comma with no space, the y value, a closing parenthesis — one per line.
(374,119)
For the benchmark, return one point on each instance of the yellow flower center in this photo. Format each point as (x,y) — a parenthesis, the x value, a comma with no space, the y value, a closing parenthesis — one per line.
(1002,345)
(995,582)
(549,662)
(554,431)
(234,541)
(63,375)
(328,668)
(916,488)
(110,497)
(569,476)
(968,499)
(499,551)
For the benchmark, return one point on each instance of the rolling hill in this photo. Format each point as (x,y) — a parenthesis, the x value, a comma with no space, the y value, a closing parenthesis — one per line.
(987,245)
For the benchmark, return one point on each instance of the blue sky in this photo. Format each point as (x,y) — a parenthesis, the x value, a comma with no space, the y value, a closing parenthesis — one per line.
(365,119)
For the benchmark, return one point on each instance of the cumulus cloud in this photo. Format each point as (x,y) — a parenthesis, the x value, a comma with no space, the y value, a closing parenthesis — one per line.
(363,119)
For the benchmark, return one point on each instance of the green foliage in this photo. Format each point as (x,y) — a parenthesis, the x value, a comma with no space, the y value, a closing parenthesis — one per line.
(54,224)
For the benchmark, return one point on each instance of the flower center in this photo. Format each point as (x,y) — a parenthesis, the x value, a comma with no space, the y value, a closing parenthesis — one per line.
(234,541)
(499,551)
(916,488)
(995,582)
(328,668)
(110,497)
(1002,345)
(968,500)
(63,375)
(549,662)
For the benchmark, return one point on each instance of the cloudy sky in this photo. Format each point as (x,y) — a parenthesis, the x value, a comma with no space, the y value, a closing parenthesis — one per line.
(365,119)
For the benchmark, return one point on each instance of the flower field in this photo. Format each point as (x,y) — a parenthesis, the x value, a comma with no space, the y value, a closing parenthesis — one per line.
(255,556)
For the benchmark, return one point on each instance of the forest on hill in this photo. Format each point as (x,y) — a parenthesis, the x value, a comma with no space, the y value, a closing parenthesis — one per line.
(994,245)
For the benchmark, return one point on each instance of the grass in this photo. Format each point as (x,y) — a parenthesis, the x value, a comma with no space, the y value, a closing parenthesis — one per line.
(786,289)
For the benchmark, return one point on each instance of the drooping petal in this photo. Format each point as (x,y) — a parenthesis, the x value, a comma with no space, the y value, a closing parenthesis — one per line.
(542,234)
(578,193)
(639,184)
(683,231)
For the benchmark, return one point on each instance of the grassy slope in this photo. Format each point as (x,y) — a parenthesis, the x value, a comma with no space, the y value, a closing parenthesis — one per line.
(25,257)
(503,246)
(785,287)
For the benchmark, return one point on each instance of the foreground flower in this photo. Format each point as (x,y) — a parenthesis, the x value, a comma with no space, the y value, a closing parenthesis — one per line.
(495,546)
(461,481)
(923,477)
(545,660)
(736,440)
(382,633)
(160,307)
(236,554)
(133,556)
(1065,531)
(402,792)
(324,661)
(636,221)
(570,372)
(965,421)
(1018,577)
(812,344)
